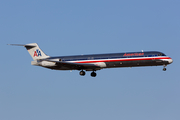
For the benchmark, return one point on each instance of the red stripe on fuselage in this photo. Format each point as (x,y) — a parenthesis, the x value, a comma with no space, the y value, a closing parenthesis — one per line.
(128,59)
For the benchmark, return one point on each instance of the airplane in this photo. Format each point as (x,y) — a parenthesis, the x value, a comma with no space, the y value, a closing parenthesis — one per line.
(96,62)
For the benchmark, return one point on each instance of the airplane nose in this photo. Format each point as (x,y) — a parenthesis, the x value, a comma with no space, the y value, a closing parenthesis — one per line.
(170,61)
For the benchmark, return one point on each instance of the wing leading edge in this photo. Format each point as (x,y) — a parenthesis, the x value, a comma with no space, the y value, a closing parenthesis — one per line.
(77,66)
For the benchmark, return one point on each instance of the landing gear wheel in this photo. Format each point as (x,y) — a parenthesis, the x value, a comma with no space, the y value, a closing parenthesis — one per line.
(93,74)
(164,69)
(82,73)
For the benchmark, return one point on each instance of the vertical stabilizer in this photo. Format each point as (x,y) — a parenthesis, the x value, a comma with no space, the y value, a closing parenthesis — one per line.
(35,52)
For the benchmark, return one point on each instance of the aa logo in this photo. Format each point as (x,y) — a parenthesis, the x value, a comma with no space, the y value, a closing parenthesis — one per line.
(37,53)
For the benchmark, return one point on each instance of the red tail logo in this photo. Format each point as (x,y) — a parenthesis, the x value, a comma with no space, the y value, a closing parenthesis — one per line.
(37,53)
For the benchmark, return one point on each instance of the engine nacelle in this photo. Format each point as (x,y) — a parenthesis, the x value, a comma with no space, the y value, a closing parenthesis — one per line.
(48,64)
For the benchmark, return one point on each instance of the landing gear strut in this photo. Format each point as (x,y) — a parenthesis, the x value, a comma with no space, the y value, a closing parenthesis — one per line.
(82,73)
(93,74)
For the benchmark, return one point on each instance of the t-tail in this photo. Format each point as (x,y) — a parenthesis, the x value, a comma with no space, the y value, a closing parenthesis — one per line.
(34,50)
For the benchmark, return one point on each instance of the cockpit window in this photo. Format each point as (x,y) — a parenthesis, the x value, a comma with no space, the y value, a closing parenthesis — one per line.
(161,54)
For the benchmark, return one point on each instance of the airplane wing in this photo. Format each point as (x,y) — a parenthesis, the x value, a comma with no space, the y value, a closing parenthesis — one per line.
(77,66)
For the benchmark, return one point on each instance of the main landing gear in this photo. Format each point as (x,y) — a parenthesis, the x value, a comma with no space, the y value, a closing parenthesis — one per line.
(82,73)
(93,74)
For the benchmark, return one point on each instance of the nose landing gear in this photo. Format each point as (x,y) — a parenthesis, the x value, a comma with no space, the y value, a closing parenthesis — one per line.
(164,69)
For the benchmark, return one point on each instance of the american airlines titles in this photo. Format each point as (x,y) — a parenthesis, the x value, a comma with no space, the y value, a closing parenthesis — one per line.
(133,54)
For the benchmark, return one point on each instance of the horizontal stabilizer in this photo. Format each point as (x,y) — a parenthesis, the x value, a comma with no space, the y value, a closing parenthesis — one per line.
(22,45)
